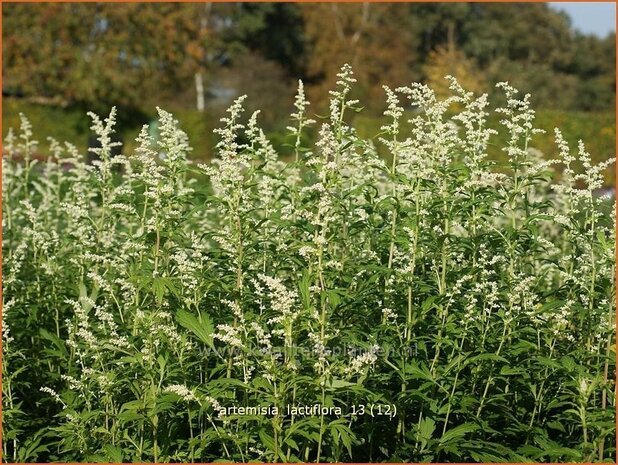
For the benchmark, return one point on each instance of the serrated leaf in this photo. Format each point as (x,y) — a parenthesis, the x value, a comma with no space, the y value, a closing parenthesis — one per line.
(201,326)
(458,432)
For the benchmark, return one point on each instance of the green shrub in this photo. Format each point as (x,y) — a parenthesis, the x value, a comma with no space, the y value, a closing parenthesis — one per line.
(434,305)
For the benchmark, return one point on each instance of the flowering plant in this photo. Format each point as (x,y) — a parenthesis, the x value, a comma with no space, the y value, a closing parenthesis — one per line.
(433,305)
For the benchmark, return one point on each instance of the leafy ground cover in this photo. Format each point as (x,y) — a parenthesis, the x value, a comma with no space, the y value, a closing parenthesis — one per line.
(432,305)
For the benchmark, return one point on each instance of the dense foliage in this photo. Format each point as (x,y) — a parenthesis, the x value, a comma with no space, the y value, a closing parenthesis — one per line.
(453,309)
(102,53)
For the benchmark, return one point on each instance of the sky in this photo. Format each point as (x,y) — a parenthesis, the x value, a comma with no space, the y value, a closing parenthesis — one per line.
(590,17)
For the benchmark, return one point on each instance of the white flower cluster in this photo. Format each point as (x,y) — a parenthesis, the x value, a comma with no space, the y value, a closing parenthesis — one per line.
(361,361)
(182,391)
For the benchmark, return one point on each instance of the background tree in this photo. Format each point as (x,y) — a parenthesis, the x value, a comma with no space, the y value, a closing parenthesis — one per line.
(448,60)
(375,39)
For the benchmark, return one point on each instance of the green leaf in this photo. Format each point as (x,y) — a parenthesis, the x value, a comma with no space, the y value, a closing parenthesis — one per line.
(293,444)
(201,326)
(480,357)
(267,440)
(425,430)
(161,286)
(339,383)
(113,453)
(556,425)
(458,432)
(62,350)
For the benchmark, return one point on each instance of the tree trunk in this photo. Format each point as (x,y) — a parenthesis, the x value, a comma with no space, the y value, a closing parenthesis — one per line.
(199,91)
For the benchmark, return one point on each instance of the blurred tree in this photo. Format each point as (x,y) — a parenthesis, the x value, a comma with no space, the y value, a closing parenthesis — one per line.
(280,37)
(377,40)
(594,61)
(529,33)
(436,24)
(448,60)
(531,45)
(124,54)
(94,54)
(136,55)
